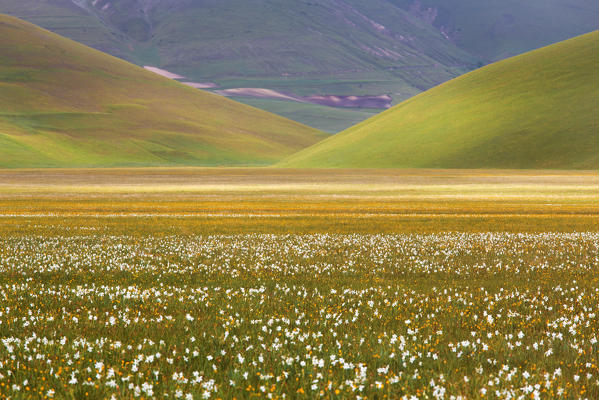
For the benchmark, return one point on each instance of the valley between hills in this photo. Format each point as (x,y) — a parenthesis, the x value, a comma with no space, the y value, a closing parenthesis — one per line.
(341,48)
(382,199)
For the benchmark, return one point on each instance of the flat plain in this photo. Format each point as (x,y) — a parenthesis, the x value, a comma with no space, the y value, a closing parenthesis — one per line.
(240,283)
(221,200)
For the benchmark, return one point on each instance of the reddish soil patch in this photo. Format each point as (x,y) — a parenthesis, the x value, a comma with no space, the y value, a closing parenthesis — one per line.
(259,93)
(172,75)
(201,85)
(381,101)
(163,72)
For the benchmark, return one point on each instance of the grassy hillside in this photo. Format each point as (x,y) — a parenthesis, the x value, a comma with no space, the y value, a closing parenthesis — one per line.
(329,47)
(63,104)
(537,110)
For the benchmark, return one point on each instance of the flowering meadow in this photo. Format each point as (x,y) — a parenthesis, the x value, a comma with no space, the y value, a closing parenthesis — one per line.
(97,315)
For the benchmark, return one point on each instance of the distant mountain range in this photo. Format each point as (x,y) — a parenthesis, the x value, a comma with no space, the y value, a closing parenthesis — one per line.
(313,48)
(538,110)
(63,104)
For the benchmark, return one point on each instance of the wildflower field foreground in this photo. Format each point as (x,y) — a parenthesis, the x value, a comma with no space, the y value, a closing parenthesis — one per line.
(225,291)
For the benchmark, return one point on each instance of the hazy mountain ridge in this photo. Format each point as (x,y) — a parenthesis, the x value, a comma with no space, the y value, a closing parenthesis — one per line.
(262,38)
(492,30)
(379,35)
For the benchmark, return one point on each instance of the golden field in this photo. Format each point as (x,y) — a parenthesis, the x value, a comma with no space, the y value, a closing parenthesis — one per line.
(278,201)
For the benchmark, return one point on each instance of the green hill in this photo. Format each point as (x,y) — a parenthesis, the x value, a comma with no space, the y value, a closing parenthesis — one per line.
(328,47)
(325,47)
(537,110)
(65,105)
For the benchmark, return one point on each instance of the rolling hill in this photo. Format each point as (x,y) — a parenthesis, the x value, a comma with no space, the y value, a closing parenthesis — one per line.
(309,48)
(63,104)
(537,110)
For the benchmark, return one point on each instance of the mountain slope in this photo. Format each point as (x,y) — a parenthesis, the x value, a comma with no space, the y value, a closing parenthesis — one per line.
(419,42)
(289,43)
(537,110)
(314,48)
(68,19)
(291,38)
(65,105)
(493,30)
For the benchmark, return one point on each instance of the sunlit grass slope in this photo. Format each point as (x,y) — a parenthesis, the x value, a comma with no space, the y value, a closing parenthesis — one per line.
(538,110)
(65,105)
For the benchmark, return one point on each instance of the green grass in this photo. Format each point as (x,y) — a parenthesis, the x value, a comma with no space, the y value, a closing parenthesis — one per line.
(537,110)
(367,83)
(93,314)
(65,105)
(327,119)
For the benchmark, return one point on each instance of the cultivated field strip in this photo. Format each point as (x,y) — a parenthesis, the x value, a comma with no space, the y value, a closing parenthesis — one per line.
(271,193)
(290,215)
